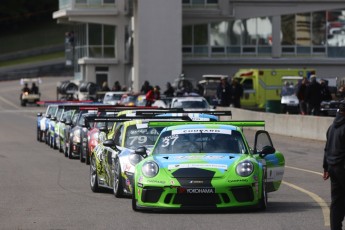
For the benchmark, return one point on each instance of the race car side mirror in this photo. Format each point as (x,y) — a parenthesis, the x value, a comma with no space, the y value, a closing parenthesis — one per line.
(141,151)
(104,129)
(109,143)
(266,150)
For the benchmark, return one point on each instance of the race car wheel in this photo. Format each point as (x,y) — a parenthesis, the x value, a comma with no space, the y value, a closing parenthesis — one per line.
(65,151)
(41,136)
(263,200)
(81,154)
(93,175)
(54,144)
(38,135)
(117,183)
(60,146)
(134,201)
(69,150)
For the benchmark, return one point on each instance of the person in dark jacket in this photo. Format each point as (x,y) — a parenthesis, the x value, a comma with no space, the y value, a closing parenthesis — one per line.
(334,167)
(224,92)
(237,93)
(146,87)
(301,92)
(169,92)
(313,96)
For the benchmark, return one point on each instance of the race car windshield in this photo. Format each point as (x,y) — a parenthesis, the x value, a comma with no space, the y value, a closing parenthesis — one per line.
(136,137)
(200,141)
(191,104)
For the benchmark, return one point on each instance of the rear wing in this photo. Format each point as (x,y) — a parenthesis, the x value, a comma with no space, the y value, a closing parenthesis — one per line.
(156,112)
(146,108)
(123,119)
(63,102)
(234,123)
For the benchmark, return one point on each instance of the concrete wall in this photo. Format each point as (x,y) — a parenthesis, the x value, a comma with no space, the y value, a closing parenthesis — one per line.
(310,127)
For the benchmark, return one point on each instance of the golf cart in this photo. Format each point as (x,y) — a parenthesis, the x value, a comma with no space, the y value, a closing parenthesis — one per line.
(30,92)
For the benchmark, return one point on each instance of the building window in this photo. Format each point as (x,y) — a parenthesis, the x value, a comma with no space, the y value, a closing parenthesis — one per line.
(101,41)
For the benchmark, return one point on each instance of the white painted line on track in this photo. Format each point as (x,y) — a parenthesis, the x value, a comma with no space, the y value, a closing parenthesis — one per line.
(305,170)
(9,103)
(322,203)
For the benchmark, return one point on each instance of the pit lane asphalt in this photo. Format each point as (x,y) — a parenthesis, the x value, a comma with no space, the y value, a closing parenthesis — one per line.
(41,189)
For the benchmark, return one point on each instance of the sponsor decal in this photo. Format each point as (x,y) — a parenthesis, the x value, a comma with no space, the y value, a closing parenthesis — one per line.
(186,131)
(239,180)
(140,185)
(156,181)
(196,182)
(200,157)
(172,182)
(141,126)
(195,190)
(140,179)
(180,166)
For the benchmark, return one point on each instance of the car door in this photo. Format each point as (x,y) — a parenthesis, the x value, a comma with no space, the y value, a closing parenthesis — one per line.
(273,163)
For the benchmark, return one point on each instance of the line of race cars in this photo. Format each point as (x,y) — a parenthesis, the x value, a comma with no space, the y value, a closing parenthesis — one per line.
(166,159)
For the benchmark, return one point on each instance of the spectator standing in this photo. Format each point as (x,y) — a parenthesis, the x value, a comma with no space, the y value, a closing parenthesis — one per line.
(334,167)
(325,92)
(224,92)
(146,87)
(116,86)
(313,96)
(34,89)
(153,95)
(200,89)
(301,91)
(169,92)
(105,86)
(237,93)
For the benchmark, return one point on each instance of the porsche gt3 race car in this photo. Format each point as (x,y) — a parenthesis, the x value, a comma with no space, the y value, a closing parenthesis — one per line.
(207,166)
(106,169)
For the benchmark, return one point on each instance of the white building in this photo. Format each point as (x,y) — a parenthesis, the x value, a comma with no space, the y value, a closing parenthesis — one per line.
(156,40)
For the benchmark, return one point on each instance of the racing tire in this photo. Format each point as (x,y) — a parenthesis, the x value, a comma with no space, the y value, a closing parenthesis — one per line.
(69,150)
(87,160)
(41,136)
(134,201)
(60,146)
(38,135)
(54,144)
(51,143)
(93,175)
(66,151)
(81,155)
(117,179)
(263,200)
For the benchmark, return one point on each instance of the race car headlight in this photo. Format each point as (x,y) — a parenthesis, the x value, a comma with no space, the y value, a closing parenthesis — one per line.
(245,168)
(134,159)
(101,137)
(150,169)
(76,136)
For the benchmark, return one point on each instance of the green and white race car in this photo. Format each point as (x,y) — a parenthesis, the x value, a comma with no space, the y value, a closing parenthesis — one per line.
(208,165)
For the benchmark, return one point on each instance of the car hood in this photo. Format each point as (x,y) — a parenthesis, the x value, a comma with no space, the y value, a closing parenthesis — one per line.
(291,99)
(197,166)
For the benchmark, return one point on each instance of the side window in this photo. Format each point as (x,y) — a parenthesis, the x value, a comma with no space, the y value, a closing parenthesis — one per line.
(118,136)
(248,84)
(75,117)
